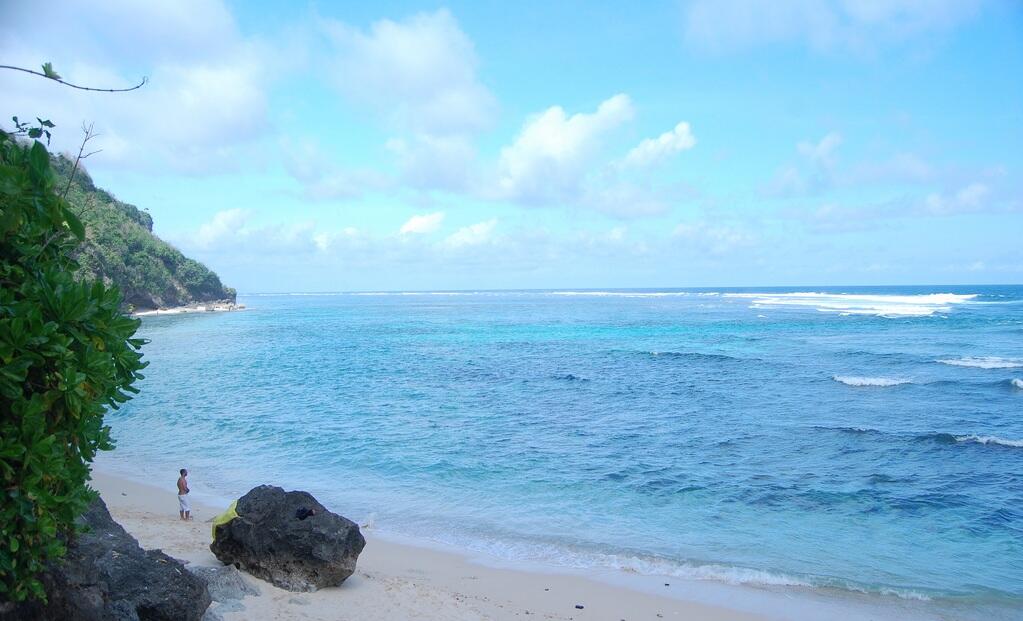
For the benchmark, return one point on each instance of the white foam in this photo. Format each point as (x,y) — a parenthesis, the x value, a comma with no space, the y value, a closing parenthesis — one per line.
(922,305)
(625,294)
(990,440)
(984,362)
(850,380)
(413,293)
(716,573)
(520,551)
(1017,383)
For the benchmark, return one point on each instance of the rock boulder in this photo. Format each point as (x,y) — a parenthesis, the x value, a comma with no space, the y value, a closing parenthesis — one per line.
(227,587)
(289,539)
(107,576)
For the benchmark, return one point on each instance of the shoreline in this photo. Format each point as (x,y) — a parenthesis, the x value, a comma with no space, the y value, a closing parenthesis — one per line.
(403,578)
(205,307)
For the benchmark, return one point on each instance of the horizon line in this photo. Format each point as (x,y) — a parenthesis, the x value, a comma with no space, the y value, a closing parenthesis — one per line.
(597,289)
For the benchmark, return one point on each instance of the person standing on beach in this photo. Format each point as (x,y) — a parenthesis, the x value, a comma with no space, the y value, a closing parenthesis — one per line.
(184,508)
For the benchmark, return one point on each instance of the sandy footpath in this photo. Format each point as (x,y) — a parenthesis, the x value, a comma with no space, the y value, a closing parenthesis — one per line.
(395,581)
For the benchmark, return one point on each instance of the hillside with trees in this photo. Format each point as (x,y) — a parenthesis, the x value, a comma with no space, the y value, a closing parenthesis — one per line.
(120,248)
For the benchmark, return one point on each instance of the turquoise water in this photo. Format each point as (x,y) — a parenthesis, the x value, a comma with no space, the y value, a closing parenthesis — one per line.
(864,439)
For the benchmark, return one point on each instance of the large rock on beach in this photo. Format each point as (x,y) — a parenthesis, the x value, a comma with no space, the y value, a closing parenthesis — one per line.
(276,538)
(107,576)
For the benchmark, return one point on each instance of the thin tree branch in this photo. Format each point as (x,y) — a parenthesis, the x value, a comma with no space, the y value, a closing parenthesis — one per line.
(89,135)
(87,130)
(82,88)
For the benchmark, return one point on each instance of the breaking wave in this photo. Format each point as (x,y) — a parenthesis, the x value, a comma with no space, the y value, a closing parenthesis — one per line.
(860,304)
(948,438)
(626,294)
(850,380)
(984,362)
(990,440)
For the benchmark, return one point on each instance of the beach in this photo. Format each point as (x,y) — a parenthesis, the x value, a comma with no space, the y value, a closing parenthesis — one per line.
(790,454)
(400,581)
(210,307)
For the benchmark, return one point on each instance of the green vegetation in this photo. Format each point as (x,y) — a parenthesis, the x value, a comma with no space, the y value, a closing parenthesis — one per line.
(68,353)
(120,249)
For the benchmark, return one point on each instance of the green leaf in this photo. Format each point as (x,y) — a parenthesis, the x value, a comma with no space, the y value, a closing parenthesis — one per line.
(38,159)
(66,351)
(49,72)
(73,223)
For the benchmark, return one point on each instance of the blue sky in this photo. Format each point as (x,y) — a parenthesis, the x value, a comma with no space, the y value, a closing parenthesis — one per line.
(478,145)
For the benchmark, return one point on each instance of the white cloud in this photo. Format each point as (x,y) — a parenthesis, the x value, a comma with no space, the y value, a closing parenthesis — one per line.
(230,232)
(654,150)
(321,178)
(822,25)
(426,223)
(224,224)
(821,153)
(625,199)
(971,198)
(110,31)
(472,235)
(419,76)
(429,161)
(712,239)
(900,168)
(205,98)
(814,172)
(420,73)
(547,159)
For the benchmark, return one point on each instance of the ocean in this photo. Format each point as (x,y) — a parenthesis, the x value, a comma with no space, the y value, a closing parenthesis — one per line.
(845,440)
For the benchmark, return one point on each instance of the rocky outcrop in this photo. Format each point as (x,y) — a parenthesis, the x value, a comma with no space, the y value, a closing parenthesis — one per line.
(106,576)
(227,587)
(289,539)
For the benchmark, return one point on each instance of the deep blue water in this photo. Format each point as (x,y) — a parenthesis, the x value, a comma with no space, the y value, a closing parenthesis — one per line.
(871,441)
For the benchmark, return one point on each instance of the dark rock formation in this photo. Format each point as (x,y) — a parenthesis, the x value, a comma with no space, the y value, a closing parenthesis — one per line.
(106,576)
(271,540)
(225,583)
(227,587)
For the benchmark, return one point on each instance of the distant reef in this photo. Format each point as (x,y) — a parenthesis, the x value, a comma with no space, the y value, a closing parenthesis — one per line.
(120,248)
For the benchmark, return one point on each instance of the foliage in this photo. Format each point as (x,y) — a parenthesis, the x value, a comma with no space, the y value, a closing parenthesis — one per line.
(120,248)
(68,353)
(49,72)
(34,132)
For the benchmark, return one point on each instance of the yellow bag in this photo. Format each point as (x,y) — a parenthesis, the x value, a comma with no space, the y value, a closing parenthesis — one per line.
(224,518)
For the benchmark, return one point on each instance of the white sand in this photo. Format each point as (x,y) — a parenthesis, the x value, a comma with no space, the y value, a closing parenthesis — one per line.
(198,308)
(396,581)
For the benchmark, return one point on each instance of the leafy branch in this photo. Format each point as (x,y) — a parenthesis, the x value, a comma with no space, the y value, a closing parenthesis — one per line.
(49,73)
(24,129)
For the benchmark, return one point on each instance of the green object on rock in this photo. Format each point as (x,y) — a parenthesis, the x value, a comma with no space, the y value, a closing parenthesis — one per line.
(225,517)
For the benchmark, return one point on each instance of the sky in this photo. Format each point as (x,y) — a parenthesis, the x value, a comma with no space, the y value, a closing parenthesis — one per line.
(336,146)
